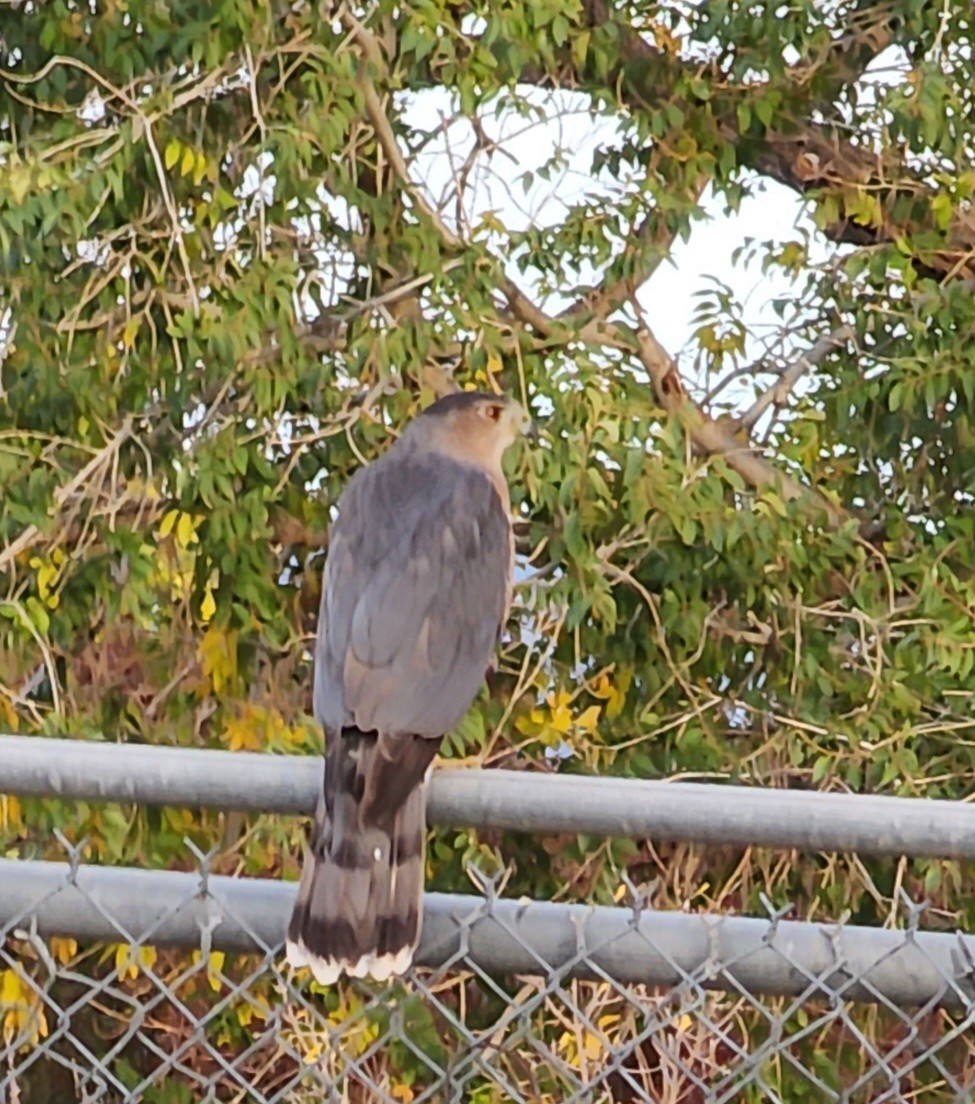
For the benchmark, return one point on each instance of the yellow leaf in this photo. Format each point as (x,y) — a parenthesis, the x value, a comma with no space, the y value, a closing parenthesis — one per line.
(63,949)
(566,1046)
(130,331)
(208,607)
(200,168)
(602,688)
(218,658)
(613,694)
(569,1046)
(589,718)
(11,987)
(23,1012)
(187,162)
(167,523)
(146,957)
(215,968)
(39,1022)
(591,1046)
(9,805)
(242,733)
(47,575)
(359,1037)
(250,1009)
(171,155)
(124,966)
(184,531)
(8,715)
(404,1093)
(215,961)
(561,719)
(130,959)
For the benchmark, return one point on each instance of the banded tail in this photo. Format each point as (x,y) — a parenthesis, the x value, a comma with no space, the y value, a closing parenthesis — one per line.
(360,897)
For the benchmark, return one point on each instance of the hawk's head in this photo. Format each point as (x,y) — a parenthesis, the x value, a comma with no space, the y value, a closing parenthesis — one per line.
(473,424)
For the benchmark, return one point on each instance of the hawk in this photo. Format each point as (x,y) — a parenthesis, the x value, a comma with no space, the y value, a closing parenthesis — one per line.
(417,587)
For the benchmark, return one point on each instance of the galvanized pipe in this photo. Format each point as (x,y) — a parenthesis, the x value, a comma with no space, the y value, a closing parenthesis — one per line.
(759,956)
(523,800)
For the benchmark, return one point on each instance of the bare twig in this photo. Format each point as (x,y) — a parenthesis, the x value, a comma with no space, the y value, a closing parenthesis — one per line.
(778,393)
(610,295)
(62,495)
(719,439)
(49,665)
(708,435)
(810,154)
(144,128)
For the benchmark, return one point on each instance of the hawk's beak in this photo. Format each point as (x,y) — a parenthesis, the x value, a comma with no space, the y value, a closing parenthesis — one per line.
(527,427)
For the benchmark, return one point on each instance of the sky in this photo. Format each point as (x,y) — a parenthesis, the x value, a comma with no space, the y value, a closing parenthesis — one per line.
(563,123)
(670,297)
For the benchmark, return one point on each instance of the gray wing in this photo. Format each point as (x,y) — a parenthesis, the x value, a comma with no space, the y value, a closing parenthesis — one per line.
(416,589)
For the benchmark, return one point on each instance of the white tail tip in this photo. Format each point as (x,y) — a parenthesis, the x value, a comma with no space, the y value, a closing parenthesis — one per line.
(327,971)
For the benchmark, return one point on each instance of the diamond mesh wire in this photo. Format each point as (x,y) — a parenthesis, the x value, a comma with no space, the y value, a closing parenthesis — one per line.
(125,985)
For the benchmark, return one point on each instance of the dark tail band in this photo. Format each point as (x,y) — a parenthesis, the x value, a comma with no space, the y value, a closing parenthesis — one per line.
(359,901)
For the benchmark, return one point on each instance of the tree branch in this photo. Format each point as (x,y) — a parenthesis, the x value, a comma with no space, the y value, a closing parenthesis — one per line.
(807,156)
(777,394)
(102,458)
(815,158)
(653,238)
(811,156)
(710,436)
(717,438)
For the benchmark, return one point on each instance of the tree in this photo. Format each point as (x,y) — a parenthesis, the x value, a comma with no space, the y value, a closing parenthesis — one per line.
(226,278)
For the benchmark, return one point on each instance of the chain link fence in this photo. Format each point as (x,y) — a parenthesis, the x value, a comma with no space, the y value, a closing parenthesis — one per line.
(164,987)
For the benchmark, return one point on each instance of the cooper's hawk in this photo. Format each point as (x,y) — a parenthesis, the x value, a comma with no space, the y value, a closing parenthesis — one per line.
(417,586)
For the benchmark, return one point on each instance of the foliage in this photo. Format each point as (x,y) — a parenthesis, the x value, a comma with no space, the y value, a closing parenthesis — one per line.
(241,243)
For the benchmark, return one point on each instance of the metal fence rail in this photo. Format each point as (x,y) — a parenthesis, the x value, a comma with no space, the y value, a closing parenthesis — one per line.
(511,1000)
(766,957)
(739,815)
(608,1004)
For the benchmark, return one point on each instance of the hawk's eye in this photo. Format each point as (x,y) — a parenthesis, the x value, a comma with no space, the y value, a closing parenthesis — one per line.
(494,412)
